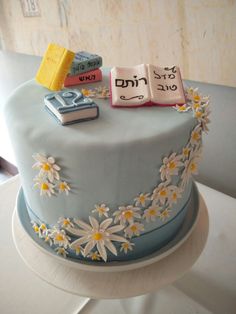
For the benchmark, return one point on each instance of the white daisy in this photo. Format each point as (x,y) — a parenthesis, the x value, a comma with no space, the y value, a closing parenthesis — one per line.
(196,136)
(182,108)
(193,95)
(47,167)
(48,240)
(174,195)
(133,229)
(161,192)
(185,152)
(65,222)
(126,246)
(126,214)
(202,117)
(95,256)
(151,213)
(59,237)
(99,235)
(43,230)
(79,250)
(63,187)
(35,226)
(102,210)
(142,199)
(190,166)
(165,214)
(61,251)
(46,188)
(170,166)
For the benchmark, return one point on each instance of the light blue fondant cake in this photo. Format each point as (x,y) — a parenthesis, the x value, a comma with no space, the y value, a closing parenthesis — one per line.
(113,189)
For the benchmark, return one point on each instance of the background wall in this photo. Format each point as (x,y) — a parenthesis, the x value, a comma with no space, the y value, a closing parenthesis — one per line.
(197,35)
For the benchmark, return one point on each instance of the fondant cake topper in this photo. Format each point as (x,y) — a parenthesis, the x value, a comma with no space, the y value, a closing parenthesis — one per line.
(71,106)
(145,85)
(54,67)
(85,62)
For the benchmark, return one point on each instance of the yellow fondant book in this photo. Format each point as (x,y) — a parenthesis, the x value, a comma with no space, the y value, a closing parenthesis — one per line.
(54,67)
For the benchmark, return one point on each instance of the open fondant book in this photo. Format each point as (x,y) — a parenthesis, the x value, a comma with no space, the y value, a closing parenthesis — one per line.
(146,85)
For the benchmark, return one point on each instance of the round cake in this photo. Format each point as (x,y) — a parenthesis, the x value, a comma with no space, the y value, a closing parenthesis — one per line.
(113,189)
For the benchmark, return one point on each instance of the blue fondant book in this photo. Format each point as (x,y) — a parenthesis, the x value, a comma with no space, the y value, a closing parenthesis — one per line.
(70,106)
(85,62)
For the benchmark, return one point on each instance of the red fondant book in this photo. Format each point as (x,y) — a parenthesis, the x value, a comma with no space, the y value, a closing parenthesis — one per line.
(84,78)
(146,85)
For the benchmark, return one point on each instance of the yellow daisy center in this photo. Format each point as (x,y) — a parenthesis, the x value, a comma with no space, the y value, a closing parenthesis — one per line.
(172,165)
(78,250)
(142,198)
(66,222)
(195,136)
(196,106)
(196,98)
(85,92)
(182,108)
(101,209)
(163,192)
(44,186)
(97,236)
(62,186)
(46,167)
(152,212)
(165,213)
(95,257)
(43,227)
(125,245)
(128,214)
(193,167)
(174,196)
(134,228)
(185,151)
(36,228)
(59,237)
(198,114)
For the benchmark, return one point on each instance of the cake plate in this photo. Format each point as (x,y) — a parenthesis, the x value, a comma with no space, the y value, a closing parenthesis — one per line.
(115,284)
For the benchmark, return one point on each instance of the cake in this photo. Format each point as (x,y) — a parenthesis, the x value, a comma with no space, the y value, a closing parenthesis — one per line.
(117,188)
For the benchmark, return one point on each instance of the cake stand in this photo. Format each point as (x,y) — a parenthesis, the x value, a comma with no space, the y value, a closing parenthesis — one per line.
(117,284)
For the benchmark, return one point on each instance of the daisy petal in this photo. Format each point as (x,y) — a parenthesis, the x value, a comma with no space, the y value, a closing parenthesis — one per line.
(89,246)
(83,224)
(76,232)
(102,251)
(106,223)
(51,160)
(78,242)
(117,238)
(94,223)
(111,247)
(115,229)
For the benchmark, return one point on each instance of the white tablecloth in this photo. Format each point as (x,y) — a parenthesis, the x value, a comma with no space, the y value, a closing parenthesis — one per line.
(209,287)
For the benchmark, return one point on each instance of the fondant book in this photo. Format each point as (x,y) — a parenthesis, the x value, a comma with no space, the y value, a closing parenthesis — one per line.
(85,62)
(146,85)
(84,78)
(71,106)
(54,67)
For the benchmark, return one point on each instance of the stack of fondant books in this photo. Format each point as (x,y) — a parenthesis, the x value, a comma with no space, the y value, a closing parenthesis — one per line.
(84,69)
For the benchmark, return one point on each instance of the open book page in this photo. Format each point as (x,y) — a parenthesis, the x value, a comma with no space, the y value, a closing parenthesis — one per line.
(129,86)
(166,87)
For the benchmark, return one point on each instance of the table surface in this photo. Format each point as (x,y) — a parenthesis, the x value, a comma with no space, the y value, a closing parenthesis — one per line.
(209,287)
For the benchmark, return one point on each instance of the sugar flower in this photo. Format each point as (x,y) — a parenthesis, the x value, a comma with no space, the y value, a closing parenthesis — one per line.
(165,214)
(60,238)
(46,188)
(35,226)
(170,166)
(196,136)
(174,195)
(185,152)
(102,210)
(79,250)
(126,214)
(160,193)
(151,213)
(61,251)
(182,108)
(95,256)
(63,187)
(190,166)
(47,167)
(133,229)
(88,92)
(126,246)
(48,240)
(142,199)
(99,235)
(65,222)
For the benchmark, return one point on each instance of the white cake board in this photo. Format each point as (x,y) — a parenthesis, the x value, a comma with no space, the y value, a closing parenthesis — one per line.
(100,285)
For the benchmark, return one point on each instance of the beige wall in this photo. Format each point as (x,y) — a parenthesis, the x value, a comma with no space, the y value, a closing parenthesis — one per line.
(197,35)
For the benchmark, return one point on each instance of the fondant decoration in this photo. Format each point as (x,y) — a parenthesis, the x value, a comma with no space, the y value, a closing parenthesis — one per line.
(54,67)
(70,106)
(93,240)
(84,78)
(145,85)
(48,179)
(85,62)
(101,92)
